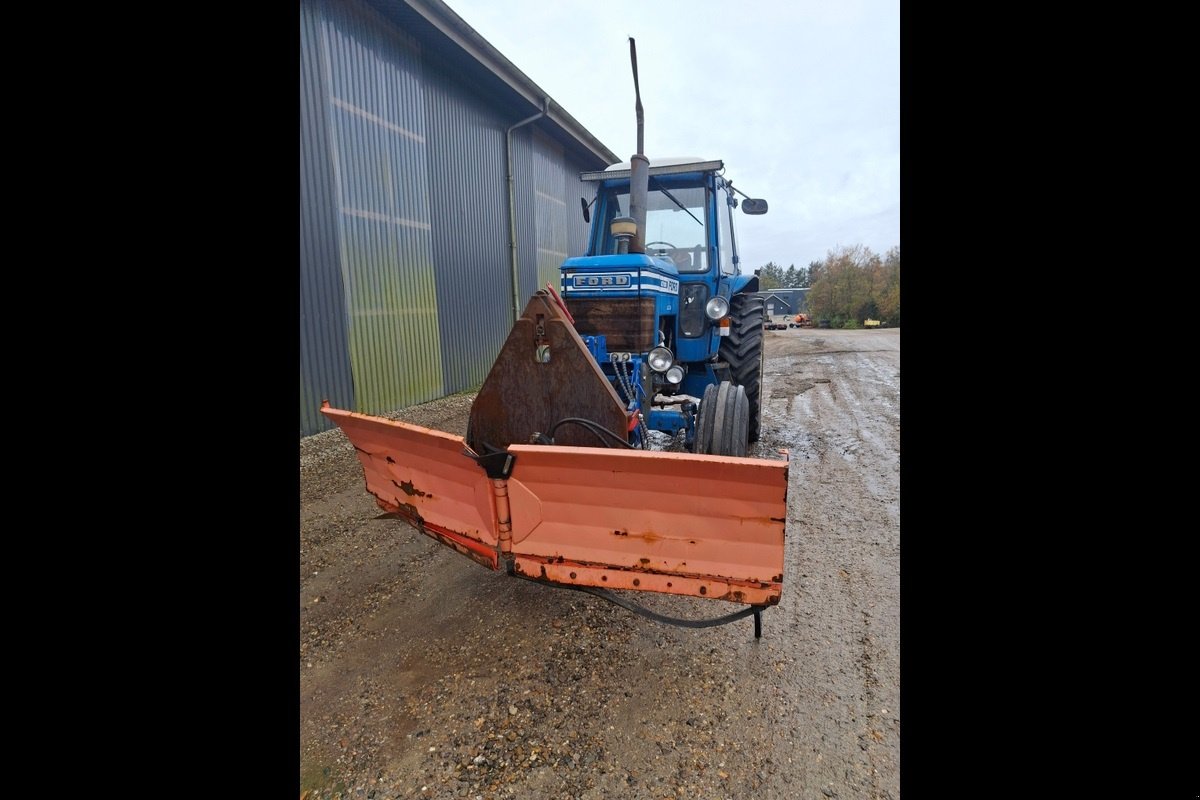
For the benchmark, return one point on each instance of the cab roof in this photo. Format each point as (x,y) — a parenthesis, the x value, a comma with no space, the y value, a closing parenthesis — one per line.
(658,166)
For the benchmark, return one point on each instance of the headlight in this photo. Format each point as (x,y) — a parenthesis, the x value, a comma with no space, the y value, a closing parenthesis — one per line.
(716,307)
(675,374)
(660,359)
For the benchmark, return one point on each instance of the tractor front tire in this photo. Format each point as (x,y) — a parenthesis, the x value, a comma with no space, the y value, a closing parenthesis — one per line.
(742,350)
(722,428)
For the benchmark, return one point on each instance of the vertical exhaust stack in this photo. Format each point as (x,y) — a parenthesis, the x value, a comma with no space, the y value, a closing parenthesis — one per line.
(639,174)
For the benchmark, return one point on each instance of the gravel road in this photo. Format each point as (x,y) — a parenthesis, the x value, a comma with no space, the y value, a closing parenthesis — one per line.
(425,675)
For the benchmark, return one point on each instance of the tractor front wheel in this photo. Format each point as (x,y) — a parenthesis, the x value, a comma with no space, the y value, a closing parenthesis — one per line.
(722,427)
(742,350)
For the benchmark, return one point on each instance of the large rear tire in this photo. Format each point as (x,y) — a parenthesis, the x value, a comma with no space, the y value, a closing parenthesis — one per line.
(742,350)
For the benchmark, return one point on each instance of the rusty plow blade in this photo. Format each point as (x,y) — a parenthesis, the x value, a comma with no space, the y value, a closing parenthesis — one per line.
(676,523)
(421,476)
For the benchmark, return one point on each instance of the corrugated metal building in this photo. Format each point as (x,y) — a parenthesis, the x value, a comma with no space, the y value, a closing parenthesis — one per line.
(412,268)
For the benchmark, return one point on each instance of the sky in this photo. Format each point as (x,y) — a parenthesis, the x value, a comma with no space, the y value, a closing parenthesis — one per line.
(801,100)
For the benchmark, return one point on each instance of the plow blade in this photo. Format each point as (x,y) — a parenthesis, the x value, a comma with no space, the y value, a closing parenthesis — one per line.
(423,477)
(677,523)
(706,526)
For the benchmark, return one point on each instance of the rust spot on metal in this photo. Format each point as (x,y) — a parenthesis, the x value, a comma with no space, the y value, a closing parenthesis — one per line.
(776,579)
(629,324)
(409,489)
(457,547)
(390,460)
(522,395)
(778,519)
(620,533)
(738,591)
(402,511)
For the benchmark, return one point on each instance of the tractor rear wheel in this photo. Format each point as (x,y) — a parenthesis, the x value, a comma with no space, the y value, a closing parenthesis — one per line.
(742,350)
(722,426)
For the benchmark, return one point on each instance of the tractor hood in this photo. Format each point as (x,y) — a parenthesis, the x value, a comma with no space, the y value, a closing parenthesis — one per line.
(625,261)
(618,274)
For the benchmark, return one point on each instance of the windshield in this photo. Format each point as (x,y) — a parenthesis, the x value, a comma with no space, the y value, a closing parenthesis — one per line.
(673,232)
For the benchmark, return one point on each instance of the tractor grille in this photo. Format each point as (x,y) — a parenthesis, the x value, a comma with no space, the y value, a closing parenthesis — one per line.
(627,322)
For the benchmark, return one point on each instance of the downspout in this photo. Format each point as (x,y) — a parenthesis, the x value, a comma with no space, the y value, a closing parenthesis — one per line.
(512,202)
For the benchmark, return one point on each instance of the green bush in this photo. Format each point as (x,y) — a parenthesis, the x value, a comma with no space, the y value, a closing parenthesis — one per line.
(868,310)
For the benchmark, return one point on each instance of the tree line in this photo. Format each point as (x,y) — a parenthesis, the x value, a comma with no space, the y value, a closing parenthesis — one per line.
(850,285)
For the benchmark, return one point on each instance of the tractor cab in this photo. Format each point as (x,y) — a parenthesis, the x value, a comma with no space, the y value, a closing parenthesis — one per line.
(677,213)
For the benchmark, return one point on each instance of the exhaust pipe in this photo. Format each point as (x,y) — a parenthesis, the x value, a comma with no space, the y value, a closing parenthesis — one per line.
(639,172)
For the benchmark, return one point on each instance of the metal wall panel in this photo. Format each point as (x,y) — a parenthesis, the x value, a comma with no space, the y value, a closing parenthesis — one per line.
(470,226)
(325,372)
(379,144)
(405,271)
(523,182)
(550,226)
(560,228)
(550,209)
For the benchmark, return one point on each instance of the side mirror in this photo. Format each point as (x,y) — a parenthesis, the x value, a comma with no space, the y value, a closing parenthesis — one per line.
(751,206)
(583,203)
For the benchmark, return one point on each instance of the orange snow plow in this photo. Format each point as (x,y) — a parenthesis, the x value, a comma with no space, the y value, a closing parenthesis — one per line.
(678,523)
(585,517)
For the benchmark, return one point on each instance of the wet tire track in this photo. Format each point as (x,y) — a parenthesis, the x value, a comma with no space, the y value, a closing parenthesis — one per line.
(845,502)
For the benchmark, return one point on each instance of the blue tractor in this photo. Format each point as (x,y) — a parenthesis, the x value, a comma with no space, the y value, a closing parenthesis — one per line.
(674,327)
(656,327)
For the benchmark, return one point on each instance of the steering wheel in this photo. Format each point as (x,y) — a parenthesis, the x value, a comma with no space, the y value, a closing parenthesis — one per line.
(682,258)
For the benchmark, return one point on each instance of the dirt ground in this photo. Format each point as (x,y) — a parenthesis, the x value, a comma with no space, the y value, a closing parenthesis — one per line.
(423,674)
